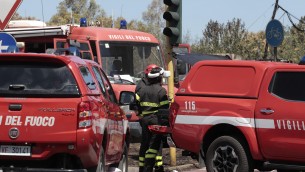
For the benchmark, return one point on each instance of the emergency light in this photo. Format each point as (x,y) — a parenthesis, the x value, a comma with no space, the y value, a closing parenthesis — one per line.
(83,22)
(302,61)
(123,24)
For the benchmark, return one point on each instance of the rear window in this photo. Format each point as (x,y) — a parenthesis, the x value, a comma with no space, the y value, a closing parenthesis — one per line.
(36,79)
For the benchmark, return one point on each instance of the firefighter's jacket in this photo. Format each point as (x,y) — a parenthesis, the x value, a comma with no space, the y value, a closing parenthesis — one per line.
(150,97)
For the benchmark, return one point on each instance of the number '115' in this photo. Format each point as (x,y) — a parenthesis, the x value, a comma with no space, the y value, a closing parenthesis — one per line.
(190,105)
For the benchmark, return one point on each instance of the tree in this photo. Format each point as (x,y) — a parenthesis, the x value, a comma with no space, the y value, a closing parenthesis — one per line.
(234,33)
(138,25)
(210,43)
(153,18)
(17,16)
(62,16)
(90,10)
(293,44)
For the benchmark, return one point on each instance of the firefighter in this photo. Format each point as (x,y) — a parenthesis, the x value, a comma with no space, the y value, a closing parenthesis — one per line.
(151,97)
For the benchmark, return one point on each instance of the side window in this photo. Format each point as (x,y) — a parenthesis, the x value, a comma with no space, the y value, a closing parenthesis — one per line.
(100,80)
(87,78)
(109,88)
(94,51)
(288,85)
(60,44)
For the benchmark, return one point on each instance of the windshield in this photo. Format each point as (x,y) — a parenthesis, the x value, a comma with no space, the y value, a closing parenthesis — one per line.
(129,59)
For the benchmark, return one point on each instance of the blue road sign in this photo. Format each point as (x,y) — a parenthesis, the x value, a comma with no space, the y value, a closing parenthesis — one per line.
(7,43)
(274,33)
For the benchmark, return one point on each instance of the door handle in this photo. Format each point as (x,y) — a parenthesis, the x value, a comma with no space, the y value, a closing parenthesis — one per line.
(15,107)
(267,111)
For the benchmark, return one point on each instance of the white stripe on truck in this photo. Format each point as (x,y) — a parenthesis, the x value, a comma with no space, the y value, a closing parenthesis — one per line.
(236,121)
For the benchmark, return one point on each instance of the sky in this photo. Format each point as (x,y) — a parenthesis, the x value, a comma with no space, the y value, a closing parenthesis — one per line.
(195,13)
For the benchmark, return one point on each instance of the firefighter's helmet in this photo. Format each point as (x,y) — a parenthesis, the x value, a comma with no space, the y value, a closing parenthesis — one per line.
(154,71)
(149,68)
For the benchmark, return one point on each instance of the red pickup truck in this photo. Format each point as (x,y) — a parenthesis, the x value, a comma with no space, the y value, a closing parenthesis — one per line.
(59,113)
(242,115)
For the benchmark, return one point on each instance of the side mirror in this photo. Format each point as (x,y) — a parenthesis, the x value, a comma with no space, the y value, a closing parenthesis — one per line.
(127,98)
(181,67)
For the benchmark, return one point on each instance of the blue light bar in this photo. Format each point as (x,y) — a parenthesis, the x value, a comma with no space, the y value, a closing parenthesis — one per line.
(123,24)
(83,22)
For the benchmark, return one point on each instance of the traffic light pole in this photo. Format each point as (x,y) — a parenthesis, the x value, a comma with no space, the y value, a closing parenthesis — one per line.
(173,17)
(170,66)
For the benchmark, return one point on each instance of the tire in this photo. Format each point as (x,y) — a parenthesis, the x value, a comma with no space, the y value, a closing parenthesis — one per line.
(101,163)
(227,154)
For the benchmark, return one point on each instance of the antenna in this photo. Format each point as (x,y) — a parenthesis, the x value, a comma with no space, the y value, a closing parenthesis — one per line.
(44,33)
(121,10)
(112,18)
(72,19)
(42,12)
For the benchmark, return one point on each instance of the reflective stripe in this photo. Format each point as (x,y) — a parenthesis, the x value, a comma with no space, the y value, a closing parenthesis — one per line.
(265,123)
(159,163)
(141,159)
(236,121)
(150,104)
(159,158)
(141,164)
(152,151)
(150,156)
(164,102)
(148,112)
(137,97)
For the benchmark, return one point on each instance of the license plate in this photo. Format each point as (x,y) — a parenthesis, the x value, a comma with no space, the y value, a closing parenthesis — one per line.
(11,150)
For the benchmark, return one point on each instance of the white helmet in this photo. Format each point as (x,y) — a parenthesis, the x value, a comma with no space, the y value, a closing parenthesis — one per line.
(155,72)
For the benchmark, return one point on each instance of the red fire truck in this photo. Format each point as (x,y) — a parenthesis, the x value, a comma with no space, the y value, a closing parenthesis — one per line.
(123,54)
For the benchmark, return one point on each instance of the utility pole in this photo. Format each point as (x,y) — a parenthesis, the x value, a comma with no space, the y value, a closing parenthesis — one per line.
(173,31)
(266,45)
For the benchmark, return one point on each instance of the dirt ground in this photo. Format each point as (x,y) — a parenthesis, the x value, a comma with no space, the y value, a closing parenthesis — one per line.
(184,162)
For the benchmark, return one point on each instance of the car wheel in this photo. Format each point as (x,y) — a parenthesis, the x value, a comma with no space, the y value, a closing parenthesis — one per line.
(101,163)
(227,154)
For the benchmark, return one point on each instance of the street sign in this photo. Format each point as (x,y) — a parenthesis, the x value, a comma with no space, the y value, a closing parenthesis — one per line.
(7,10)
(7,43)
(274,33)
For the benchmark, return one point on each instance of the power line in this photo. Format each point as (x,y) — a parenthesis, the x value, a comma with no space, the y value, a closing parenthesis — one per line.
(260,17)
(289,15)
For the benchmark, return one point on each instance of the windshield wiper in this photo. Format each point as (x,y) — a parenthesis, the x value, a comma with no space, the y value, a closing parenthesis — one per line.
(16,87)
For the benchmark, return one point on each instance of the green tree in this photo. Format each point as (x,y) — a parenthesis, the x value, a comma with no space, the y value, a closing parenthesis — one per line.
(138,25)
(68,10)
(153,18)
(210,43)
(17,16)
(293,45)
(233,35)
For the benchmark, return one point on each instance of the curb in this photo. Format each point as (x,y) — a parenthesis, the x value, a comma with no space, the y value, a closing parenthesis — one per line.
(180,167)
(171,169)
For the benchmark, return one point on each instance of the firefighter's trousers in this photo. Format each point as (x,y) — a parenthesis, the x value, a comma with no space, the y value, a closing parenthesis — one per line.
(151,144)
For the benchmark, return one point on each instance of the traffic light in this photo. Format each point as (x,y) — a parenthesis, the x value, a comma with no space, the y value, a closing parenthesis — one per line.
(173,16)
